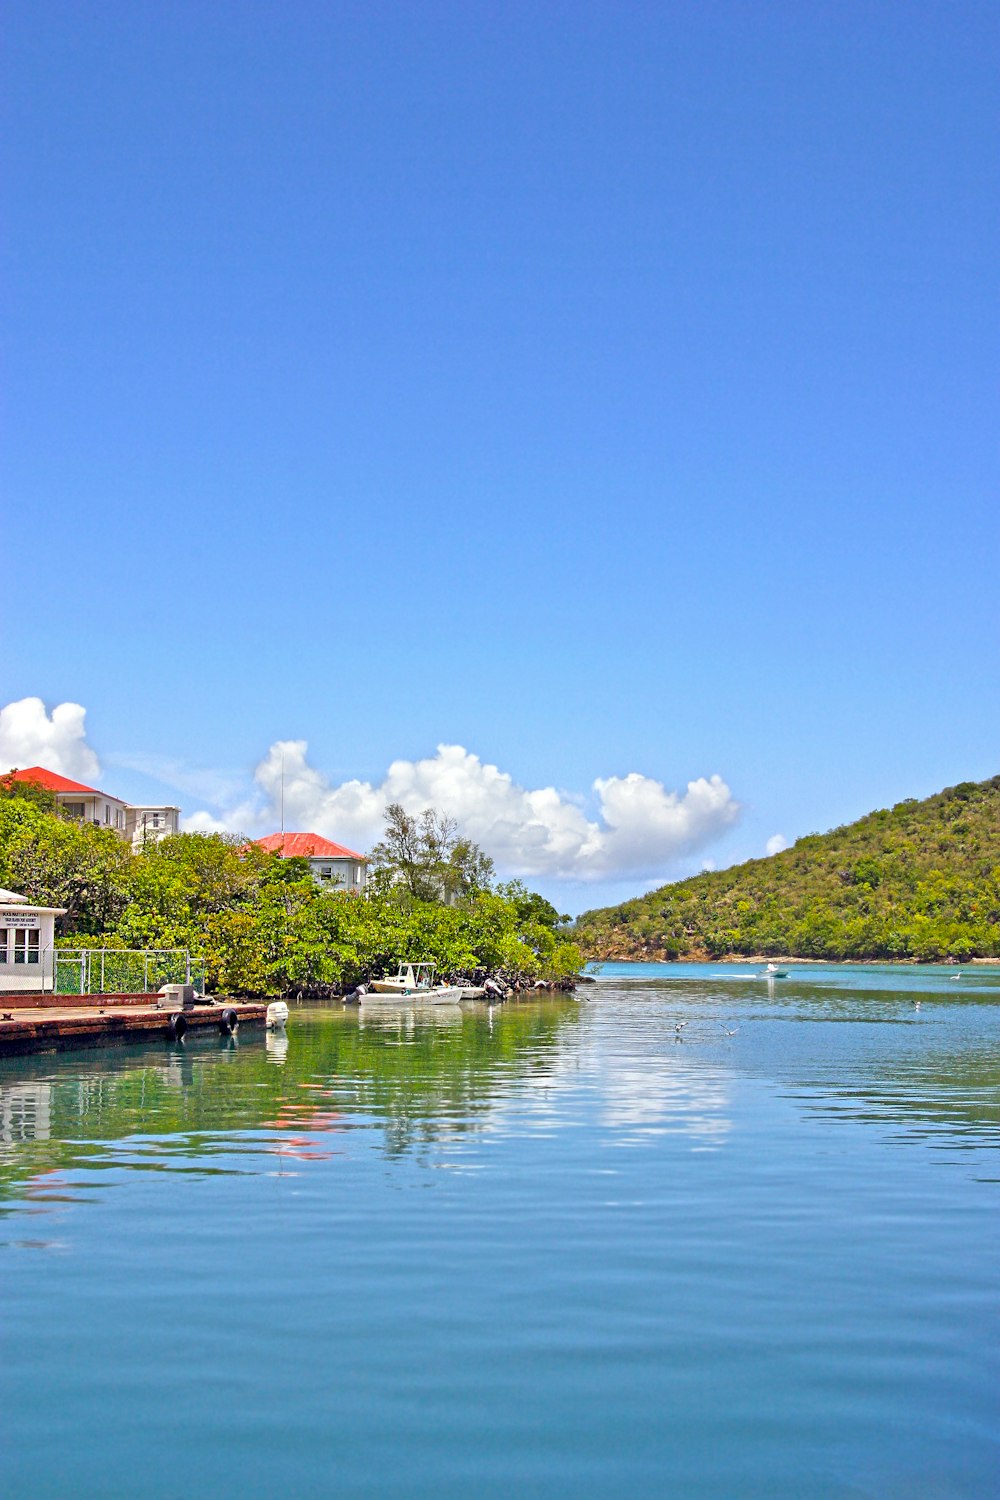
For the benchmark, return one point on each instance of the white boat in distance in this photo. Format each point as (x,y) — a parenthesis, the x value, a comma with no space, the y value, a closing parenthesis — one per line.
(414,982)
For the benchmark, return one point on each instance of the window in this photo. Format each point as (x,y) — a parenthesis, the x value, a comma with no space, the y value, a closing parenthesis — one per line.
(4,935)
(73,809)
(26,945)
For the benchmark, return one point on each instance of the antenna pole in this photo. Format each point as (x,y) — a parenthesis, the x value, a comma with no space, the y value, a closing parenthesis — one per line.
(282,791)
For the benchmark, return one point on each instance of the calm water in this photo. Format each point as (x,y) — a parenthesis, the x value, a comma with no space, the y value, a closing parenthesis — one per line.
(679,1236)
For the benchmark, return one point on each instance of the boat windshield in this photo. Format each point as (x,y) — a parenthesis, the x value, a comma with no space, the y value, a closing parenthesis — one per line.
(421,976)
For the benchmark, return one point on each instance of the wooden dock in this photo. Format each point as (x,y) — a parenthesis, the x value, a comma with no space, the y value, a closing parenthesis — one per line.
(56,1023)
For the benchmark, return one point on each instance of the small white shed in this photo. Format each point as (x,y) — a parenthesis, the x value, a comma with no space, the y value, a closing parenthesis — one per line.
(26,940)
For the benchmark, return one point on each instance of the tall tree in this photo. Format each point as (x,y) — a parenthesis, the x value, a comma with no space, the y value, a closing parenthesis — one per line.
(427,858)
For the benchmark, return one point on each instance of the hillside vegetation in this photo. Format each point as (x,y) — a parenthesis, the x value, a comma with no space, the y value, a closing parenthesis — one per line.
(917,881)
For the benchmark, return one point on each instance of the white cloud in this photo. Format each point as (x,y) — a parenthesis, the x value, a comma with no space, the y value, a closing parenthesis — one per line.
(29,736)
(205,822)
(640,826)
(631,826)
(776,843)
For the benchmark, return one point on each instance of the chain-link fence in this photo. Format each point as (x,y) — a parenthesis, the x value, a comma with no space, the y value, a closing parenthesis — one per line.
(128,971)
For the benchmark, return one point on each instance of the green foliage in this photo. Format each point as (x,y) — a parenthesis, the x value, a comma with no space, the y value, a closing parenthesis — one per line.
(260,923)
(531,906)
(426,859)
(919,881)
(28,791)
(56,861)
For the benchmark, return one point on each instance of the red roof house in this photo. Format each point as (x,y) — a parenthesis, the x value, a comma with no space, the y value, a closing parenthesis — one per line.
(76,799)
(53,782)
(330,863)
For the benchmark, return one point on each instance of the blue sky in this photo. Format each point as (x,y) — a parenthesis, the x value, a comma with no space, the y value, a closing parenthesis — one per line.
(603,388)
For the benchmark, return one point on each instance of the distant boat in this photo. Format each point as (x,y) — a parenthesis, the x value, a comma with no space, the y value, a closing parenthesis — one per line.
(413,982)
(772,972)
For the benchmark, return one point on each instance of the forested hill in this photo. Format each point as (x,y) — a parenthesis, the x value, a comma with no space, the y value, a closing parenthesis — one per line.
(919,881)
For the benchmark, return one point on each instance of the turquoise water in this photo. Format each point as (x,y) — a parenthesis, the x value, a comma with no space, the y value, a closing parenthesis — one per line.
(685,1235)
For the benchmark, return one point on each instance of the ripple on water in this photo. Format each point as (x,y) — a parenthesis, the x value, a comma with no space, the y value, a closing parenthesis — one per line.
(679,1236)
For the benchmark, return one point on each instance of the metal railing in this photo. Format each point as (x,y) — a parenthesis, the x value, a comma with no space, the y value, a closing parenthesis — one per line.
(97,971)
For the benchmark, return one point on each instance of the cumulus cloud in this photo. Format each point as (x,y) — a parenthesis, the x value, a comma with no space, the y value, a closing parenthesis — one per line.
(640,826)
(630,826)
(30,736)
(776,843)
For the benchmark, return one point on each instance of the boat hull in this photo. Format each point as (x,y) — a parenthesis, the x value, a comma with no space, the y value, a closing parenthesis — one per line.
(384,993)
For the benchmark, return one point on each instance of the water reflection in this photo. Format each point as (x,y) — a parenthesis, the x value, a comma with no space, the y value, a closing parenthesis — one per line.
(276,1046)
(666,1095)
(415,1074)
(946,1093)
(903,1048)
(404,1018)
(662,1059)
(688,1243)
(25,1113)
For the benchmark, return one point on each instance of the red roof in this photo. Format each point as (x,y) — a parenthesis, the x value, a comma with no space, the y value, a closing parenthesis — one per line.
(54,783)
(305,846)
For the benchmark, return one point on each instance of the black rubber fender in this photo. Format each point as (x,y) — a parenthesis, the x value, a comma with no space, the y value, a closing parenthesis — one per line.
(229,1021)
(176,1027)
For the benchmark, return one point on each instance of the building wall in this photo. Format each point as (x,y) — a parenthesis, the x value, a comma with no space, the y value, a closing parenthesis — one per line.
(146,825)
(106,812)
(339,874)
(26,937)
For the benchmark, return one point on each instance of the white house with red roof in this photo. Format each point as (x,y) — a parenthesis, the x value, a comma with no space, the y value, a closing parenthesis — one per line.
(77,800)
(140,825)
(331,864)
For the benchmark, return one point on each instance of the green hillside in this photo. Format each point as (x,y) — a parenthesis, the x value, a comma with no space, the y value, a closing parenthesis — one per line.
(917,881)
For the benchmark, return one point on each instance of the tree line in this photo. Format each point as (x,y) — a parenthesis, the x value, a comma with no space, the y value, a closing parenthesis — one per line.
(261,924)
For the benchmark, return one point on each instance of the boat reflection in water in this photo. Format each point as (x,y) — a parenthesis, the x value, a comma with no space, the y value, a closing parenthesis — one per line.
(399,1066)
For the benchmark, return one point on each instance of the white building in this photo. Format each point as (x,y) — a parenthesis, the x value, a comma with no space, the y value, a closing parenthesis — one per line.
(26,938)
(331,864)
(148,825)
(140,825)
(77,800)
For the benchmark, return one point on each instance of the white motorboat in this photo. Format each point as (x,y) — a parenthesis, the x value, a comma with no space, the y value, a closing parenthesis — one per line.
(413,982)
(772,971)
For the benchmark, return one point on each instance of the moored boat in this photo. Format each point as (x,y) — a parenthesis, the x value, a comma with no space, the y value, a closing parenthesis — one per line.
(413,981)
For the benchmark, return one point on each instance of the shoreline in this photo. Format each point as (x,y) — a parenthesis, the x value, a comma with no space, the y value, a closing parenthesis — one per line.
(791,958)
